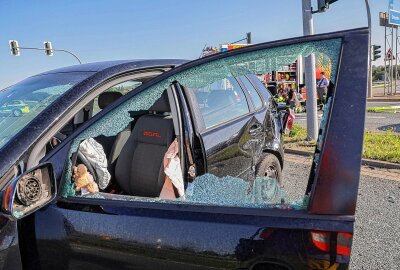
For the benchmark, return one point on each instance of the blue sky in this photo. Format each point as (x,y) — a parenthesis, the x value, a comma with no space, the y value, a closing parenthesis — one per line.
(98,30)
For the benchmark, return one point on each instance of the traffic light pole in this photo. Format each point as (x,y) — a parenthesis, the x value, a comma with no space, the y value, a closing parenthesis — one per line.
(369,90)
(311,105)
(55,50)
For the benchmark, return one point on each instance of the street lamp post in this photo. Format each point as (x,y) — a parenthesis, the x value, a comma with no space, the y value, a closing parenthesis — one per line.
(311,105)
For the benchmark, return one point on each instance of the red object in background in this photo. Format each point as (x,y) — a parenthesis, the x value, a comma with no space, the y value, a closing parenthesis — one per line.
(304,93)
(290,121)
(318,71)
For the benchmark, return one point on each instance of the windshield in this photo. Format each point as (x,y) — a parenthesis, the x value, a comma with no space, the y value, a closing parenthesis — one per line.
(22,102)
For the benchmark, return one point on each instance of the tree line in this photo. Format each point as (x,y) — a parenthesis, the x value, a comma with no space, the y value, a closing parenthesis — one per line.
(378,72)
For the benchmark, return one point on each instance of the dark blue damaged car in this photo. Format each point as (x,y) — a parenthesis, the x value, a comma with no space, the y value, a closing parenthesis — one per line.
(223,205)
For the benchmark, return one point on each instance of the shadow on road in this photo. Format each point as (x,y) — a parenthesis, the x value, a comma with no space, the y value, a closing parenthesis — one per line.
(395,128)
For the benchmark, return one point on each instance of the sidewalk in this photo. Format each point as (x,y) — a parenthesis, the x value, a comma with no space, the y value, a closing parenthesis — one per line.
(390,174)
(379,95)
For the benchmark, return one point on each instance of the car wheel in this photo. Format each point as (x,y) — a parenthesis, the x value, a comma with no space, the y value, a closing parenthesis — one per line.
(17,113)
(270,167)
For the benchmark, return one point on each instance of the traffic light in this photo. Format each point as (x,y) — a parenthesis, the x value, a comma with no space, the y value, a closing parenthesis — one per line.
(376,52)
(248,37)
(14,47)
(48,48)
(323,5)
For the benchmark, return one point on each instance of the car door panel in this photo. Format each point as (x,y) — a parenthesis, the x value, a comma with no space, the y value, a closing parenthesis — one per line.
(168,238)
(228,149)
(9,248)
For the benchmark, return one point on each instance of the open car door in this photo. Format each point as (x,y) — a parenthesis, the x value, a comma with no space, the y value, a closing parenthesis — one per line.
(222,221)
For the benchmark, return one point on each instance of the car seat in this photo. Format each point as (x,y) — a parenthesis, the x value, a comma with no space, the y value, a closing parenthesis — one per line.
(139,168)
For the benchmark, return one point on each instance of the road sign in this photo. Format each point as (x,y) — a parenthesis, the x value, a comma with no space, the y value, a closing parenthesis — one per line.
(394,14)
(389,55)
(394,17)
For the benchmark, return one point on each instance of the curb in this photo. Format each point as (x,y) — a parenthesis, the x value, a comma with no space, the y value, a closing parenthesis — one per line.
(384,99)
(366,162)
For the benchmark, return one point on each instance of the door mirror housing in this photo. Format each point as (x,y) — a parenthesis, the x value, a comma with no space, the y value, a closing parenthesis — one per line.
(29,192)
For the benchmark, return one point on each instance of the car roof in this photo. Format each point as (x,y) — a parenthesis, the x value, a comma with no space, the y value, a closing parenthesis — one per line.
(99,66)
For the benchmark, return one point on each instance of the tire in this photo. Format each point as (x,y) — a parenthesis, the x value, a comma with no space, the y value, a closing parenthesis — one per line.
(271,167)
(17,113)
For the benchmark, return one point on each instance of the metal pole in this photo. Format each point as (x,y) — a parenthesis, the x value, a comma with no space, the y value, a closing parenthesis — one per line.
(385,63)
(311,105)
(391,63)
(56,50)
(395,68)
(369,90)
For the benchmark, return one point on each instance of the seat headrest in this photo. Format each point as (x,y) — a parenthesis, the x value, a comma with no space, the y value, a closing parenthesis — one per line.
(154,129)
(162,104)
(106,98)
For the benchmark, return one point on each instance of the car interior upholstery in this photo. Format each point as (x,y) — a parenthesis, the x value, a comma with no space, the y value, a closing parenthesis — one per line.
(139,169)
(135,155)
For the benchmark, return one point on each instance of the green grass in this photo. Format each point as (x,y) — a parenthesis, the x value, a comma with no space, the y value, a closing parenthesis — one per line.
(297,134)
(383,146)
(388,109)
(378,85)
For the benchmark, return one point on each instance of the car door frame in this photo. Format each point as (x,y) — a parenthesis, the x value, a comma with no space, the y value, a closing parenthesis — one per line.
(340,220)
(346,35)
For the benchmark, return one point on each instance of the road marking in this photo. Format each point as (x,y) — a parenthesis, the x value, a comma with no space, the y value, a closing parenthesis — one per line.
(376,117)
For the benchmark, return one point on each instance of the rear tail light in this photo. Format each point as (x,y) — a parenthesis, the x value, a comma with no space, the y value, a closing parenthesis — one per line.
(323,240)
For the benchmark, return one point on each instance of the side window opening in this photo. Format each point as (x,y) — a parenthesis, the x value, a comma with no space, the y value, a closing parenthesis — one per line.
(99,103)
(143,137)
(134,161)
(112,94)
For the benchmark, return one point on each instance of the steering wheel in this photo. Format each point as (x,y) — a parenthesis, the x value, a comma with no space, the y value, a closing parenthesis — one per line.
(81,157)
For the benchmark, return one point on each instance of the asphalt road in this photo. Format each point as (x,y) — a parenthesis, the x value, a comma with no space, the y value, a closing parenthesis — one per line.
(373,122)
(377,231)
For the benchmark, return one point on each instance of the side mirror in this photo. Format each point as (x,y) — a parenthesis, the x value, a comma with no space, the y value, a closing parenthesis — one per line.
(29,192)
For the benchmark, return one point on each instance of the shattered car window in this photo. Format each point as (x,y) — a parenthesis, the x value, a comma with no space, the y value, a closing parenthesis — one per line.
(208,189)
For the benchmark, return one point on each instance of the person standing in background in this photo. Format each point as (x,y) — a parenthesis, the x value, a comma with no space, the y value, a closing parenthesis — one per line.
(322,88)
(283,90)
(292,100)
